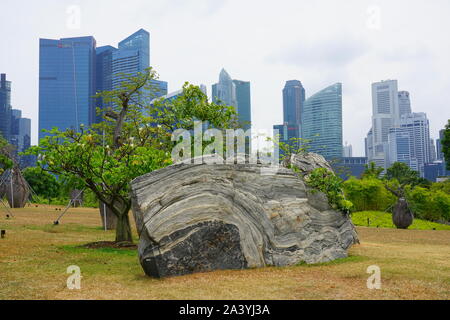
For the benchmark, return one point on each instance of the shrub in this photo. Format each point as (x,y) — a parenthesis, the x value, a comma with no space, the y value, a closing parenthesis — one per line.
(368,194)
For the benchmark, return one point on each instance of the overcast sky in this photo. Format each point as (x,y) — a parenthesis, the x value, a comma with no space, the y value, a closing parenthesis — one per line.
(266,42)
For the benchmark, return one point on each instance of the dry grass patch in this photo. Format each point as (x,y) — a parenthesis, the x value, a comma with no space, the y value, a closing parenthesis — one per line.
(35,254)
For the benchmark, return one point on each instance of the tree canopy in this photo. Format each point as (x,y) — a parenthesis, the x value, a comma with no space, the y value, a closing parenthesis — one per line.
(133,139)
(446,144)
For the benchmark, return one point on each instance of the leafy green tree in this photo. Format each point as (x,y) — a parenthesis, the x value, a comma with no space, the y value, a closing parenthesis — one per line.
(372,171)
(133,139)
(446,144)
(5,155)
(43,183)
(403,174)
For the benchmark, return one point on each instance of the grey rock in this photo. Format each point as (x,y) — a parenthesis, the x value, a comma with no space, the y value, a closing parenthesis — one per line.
(199,217)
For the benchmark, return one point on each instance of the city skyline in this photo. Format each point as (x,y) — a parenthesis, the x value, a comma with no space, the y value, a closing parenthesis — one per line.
(398,48)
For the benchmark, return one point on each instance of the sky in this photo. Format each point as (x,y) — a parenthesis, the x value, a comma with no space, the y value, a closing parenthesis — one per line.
(320,42)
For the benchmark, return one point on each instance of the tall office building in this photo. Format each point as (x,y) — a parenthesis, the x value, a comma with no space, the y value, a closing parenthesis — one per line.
(66,83)
(400,148)
(293,101)
(439,153)
(225,90)
(386,114)
(244,103)
(348,151)
(322,122)
(235,93)
(5,107)
(433,154)
(404,103)
(418,128)
(103,74)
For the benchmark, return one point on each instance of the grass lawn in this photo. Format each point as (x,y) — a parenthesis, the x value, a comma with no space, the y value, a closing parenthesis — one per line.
(384,220)
(34,257)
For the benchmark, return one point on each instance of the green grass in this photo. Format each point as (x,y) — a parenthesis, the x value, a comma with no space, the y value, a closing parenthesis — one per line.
(384,220)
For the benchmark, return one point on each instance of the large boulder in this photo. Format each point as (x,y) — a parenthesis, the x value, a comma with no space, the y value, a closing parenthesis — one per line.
(197,218)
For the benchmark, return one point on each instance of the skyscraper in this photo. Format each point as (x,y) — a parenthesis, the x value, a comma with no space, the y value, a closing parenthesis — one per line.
(235,93)
(5,107)
(66,83)
(322,122)
(386,114)
(404,103)
(293,101)
(244,104)
(348,150)
(418,128)
(103,74)
(225,90)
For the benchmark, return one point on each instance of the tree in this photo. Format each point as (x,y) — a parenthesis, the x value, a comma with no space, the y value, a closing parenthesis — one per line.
(133,139)
(446,144)
(42,183)
(372,171)
(403,174)
(5,155)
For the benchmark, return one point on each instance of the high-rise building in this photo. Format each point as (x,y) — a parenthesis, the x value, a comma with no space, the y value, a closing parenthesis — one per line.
(293,101)
(235,93)
(103,74)
(348,151)
(439,153)
(5,107)
(66,83)
(244,104)
(322,122)
(400,148)
(433,154)
(225,90)
(404,103)
(418,128)
(386,114)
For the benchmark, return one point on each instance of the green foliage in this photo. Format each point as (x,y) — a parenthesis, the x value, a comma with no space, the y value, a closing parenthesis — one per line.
(377,219)
(5,158)
(368,194)
(372,171)
(327,182)
(446,144)
(42,182)
(403,174)
(433,205)
(133,139)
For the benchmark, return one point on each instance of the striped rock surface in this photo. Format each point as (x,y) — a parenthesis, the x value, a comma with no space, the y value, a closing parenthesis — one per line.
(197,218)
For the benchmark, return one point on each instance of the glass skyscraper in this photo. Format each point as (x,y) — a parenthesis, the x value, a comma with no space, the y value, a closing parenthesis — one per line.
(244,104)
(293,101)
(322,122)
(5,107)
(66,83)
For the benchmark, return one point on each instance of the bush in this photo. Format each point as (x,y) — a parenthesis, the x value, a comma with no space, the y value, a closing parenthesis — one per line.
(368,194)
(433,205)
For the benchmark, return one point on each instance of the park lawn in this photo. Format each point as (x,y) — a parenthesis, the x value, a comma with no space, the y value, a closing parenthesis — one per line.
(379,219)
(34,257)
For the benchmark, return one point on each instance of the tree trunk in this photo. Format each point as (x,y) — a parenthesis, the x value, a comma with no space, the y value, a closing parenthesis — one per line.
(111,218)
(123,229)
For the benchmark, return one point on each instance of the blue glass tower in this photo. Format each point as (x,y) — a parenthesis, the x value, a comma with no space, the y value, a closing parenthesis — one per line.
(5,107)
(293,100)
(104,77)
(322,122)
(66,83)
